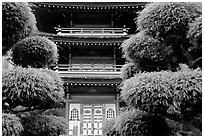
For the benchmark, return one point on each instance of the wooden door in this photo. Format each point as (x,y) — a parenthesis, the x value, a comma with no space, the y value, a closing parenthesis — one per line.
(92,118)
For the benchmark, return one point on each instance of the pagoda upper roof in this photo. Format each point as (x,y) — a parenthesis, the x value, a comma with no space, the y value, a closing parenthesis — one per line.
(92,5)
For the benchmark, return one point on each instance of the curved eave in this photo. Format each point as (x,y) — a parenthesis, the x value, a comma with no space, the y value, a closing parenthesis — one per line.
(98,6)
(83,39)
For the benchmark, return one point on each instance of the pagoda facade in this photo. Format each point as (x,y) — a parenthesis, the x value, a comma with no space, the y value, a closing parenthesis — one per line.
(88,36)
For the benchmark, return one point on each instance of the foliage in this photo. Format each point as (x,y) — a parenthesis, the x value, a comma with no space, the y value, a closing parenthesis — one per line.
(11,125)
(35,51)
(137,123)
(31,88)
(156,92)
(59,112)
(109,128)
(195,32)
(149,53)
(43,125)
(17,22)
(195,37)
(129,70)
(56,77)
(167,21)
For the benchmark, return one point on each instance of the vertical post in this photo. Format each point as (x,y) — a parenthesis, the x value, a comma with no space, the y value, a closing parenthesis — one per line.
(112,22)
(71,19)
(67,105)
(114,57)
(70,56)
(117,104)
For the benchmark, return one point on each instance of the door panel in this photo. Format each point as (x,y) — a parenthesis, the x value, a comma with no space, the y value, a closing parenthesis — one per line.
(92,119)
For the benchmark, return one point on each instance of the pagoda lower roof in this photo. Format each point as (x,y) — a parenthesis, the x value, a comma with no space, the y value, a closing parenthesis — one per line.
(84,39)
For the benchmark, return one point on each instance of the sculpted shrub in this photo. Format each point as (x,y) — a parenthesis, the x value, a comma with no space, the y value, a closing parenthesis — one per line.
(11,125)
(36,52)
(30,88)
(18,21)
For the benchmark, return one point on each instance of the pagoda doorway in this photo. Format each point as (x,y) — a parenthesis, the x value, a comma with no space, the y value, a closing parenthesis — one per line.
(86,119)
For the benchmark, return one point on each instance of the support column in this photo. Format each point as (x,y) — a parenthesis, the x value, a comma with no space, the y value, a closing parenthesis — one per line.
(70,57)
(112,22)
(117,104)
(114,58)
(71,19)
(67,105)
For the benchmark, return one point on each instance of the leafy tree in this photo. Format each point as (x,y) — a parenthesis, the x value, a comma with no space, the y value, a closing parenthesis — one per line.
(11,125)
(138,123)
(169,22)
(43,125)
(148,53)
(175,95)
(35,51)
(21,85)
(129,70)
(109,127)
(18,21)
(195,37)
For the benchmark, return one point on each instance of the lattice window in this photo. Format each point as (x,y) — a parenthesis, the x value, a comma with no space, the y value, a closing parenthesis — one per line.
(110,113)
(74,114)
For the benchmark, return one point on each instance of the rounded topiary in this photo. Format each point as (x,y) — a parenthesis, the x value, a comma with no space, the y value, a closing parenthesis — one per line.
(11,125)
(30,88)
(156,92)
(17,22)
(137,123)
(43,125)
(56,77)
(149,53)
(108,127)
(128,70)
(35,51)
(168,21)
(59,112)
(195,32)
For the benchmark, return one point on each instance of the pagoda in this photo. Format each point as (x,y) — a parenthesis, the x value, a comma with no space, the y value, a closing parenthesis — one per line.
(88,36)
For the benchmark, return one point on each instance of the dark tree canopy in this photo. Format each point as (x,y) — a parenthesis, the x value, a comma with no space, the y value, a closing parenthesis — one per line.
(11,125)
(31,88)
(137,123)
(167,21)
(195,32)
(156,92)
(195,37)
(128,70)
(35,51)
(43,125)
(148,53)
(17,22)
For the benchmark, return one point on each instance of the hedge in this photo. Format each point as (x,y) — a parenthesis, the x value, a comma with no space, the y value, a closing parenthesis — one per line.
(31,88)
(137,123)
(11,125)
(156,92)
(167,21)
(43,125)
(35,51)
(17,22)
(147,52)
(109,127)
(128,70)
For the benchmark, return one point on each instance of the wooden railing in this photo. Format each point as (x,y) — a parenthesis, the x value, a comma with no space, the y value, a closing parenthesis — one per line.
(88,67)
(91,31)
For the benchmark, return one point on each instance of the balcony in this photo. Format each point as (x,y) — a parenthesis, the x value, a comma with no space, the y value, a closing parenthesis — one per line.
(89,70)
(91,31)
